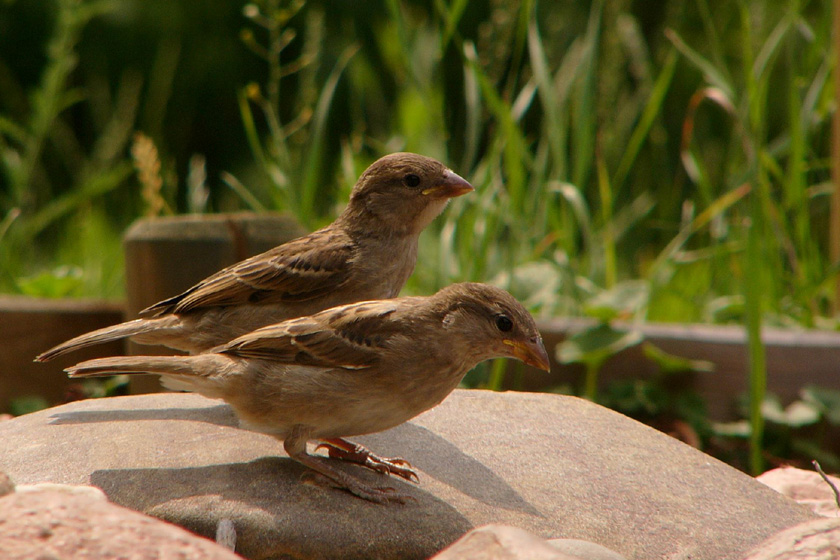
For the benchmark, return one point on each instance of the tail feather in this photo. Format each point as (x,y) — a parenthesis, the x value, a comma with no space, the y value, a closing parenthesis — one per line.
(115,365)
(108,334)
(204,374)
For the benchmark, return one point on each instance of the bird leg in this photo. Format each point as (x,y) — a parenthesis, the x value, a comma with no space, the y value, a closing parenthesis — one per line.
(339,448)
(295,446)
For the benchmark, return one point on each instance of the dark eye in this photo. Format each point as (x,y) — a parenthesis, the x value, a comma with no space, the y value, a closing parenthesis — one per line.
(411,180)
(503,323)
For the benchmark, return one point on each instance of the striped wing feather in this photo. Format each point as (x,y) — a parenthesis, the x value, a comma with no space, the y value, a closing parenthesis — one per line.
(350,337)
(300,270)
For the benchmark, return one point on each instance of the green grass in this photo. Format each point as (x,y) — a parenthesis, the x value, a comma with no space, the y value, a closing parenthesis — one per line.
(49,178)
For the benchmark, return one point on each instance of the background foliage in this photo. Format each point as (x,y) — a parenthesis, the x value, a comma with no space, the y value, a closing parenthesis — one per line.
(655,160)
(609,140)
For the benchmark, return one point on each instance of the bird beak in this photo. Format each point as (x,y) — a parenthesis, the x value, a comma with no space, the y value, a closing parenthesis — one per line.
(532,352)
(452,185)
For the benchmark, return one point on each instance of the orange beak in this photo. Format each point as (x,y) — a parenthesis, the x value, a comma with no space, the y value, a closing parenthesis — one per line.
(532,352)
(452,185)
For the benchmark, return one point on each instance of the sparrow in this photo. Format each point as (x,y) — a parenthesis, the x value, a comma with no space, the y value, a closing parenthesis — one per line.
(367,253)
(349,370)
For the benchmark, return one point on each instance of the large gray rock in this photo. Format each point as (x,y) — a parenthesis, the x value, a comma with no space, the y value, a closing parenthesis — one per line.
(556,466)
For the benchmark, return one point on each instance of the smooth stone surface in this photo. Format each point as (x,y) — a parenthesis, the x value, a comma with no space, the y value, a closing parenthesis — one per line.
(503,542)
(70,523)
(556,466)
(584,549)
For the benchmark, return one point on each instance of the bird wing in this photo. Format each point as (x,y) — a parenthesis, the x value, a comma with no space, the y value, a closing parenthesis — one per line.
(351,337)
(299,270)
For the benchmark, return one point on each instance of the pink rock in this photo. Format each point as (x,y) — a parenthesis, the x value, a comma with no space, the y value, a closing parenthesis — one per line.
(70,524)
(806,487)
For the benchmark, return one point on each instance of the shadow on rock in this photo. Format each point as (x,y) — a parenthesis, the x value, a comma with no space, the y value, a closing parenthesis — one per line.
(424,449)
(440,459)
(276,512)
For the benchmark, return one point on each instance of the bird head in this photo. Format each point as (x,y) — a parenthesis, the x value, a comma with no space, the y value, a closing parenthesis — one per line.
(403,193)
(492,323)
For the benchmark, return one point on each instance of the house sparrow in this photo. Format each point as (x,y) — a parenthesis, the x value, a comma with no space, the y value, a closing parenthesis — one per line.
(350,370)
(367,253)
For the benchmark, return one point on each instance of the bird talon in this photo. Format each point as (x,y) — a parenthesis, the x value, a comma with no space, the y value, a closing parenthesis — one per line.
(338,448)
(381,469)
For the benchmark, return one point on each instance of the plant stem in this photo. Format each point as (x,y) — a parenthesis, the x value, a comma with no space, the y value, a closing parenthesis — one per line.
(834,226)
(757,359)
(497,375)
(755,274)
(590,383)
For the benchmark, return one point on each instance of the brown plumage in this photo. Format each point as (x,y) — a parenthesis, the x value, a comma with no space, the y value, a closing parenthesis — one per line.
(367,253)
(350,370)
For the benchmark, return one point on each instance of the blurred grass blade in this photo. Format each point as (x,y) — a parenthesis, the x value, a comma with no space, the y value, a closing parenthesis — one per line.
(702,220)
(572,195)
(515,152)
(7,221)
(95,186)
(473,108)
(313,156)
(770,48)
(652,108)
(548,97)
(12,130)
(243,192)
(250,126)
(451,15)
(584,116)
(608,236)
(712,74)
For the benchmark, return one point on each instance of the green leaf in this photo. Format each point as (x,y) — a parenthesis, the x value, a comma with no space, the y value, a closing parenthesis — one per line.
(738,429)
(537,284)
(63,281)
(25,405)
(670,363)
(795,415)
(827,400)
(626,298)
(596,344)
(636,398)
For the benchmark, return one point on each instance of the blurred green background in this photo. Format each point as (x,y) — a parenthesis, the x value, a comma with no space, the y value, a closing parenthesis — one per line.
(651,161)
(610,141)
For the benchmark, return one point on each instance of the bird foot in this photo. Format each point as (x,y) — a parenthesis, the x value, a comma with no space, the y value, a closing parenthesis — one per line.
(338,448)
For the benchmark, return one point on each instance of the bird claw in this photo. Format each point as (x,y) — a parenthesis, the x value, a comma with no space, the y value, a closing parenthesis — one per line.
(361,455)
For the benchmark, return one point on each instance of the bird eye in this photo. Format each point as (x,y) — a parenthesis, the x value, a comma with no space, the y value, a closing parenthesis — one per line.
(503,323)
(411,180)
